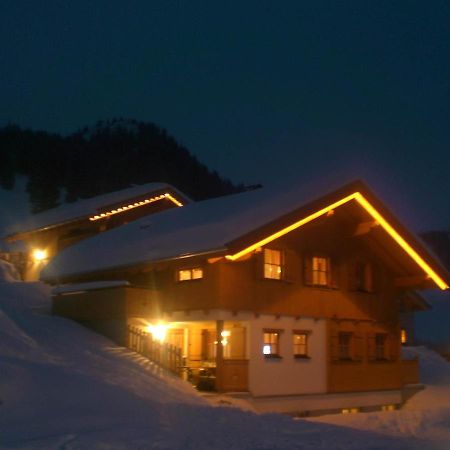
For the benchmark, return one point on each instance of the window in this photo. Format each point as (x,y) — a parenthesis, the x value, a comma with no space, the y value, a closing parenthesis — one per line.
(344,345)
(403,336)
(380,346)
(320,270)
(271,344)
(363,279)
(272,264)
(190,274)
(300,343)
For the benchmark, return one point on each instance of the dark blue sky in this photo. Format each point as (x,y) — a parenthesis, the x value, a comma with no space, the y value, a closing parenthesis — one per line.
(260,91)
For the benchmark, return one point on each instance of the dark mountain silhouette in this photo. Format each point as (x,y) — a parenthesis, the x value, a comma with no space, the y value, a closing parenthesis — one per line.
(109,156)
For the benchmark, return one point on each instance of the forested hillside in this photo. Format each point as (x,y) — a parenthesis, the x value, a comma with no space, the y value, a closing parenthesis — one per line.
(109,156)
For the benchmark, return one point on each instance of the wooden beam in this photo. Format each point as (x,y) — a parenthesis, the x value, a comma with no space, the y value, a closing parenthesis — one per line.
(365,227)
(412,280)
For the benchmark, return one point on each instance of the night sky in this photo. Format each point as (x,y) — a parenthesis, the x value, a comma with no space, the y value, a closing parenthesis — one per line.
(260,91)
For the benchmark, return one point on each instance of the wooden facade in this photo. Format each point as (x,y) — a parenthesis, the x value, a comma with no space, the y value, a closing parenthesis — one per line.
(239,286)
(339,284)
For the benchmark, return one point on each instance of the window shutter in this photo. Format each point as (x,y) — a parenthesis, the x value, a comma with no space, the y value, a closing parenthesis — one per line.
(307,270)
(368,277)
(334,348)
(371,351)
(289,260)
(377,278)
(259,265)
(352,275)
(393,347)
(358,347)
(334,273)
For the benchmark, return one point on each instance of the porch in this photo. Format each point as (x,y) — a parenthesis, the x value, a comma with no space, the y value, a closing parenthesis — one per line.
(212,355)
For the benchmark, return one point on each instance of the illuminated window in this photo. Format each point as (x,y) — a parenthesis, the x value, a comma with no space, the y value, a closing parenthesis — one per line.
(345,345)
(190,274)
(271,343)
(300,343)
(272,264)
(403,336)
(380,346)
(350,411)
(388,407)
(320,271)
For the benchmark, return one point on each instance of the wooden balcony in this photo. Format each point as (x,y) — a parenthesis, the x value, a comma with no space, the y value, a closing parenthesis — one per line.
(233,376)
(410,371)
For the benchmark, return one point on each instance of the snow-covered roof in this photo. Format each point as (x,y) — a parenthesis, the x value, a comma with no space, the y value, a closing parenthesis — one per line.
(203,227)
(87,207)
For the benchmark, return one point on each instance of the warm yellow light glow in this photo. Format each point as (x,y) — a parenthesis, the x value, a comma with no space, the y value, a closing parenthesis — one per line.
(373,212)
(39,255)
(290,228)
(350,410)
(158,331)
(403,336)
(400,241)
(135,205)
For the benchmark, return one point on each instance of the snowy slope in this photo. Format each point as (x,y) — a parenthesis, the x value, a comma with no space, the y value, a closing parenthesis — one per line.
(64,387)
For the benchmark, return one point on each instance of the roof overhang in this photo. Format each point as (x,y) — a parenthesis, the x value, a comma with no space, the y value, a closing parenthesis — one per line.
(358,193)
(106,211)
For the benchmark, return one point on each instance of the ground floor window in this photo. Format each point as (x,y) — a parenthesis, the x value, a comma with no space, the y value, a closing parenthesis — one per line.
(345,345)
(380,346)
(300,344)
(271,343)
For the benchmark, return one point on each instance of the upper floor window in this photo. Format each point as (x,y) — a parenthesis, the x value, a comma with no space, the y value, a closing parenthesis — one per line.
(190,274)
(272,264)
(300,343)
(320,270)
(271,343)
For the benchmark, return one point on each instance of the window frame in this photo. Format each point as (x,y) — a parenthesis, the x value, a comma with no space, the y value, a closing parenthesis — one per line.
(347,354)
(280,266)
(316,273)
(272,332)
(191,271)
(305,354)
(312,276)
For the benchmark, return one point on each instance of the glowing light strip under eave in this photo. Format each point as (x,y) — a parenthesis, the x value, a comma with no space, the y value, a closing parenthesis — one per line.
(400,241)
(373,212)
(136,205)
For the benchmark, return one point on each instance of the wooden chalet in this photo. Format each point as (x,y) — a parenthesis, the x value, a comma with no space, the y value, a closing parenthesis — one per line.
(292,298)
(47,233)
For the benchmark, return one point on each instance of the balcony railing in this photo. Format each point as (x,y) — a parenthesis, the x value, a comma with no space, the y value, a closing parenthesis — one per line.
(161,353)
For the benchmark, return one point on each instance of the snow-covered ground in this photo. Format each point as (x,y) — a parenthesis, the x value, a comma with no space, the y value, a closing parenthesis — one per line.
(64,387)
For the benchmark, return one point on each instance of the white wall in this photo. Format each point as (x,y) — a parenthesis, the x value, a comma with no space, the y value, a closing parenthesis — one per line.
(287,375)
